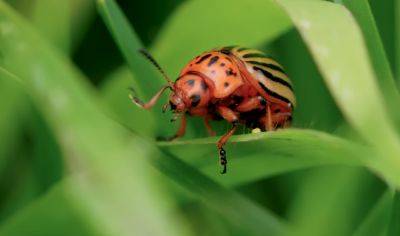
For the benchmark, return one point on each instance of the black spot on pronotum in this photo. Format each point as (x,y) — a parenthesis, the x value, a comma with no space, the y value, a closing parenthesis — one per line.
(222,64)
(195,100)
(203,85)
(226,84)
(203,58)
(277,110)
(272,77)
(230,72)
(190,82)
(213,60)
(273,94)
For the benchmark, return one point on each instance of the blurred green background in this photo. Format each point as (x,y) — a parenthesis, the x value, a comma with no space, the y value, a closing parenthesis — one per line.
(76,157)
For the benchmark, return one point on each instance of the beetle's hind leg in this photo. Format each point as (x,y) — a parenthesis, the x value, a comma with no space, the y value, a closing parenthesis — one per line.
(272,121)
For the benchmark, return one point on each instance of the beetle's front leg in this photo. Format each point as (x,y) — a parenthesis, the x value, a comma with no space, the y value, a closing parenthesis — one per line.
(232,118)
(150,103)
(181,131)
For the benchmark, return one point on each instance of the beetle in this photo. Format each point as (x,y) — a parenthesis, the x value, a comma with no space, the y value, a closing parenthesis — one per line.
(238,84)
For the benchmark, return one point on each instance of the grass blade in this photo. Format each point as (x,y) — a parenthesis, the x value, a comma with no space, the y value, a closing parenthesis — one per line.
(108,189)
(376,221)
(327,215)
(337,47)
(361,10)
(52,19)
(62,23)
(394,226)
(397,41)
(257,156)
(146,80)
(237,210)
(51,214)
(13,111)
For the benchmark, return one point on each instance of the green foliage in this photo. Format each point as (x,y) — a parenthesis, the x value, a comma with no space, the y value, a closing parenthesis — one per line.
(79,158)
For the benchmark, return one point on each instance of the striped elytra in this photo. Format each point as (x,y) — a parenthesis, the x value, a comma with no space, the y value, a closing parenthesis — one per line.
(266,71)
(240,85)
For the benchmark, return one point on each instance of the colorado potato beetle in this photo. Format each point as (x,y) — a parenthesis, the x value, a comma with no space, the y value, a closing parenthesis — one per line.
(240,85)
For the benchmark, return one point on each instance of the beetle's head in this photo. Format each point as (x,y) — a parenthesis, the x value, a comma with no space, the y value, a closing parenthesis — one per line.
(176,102)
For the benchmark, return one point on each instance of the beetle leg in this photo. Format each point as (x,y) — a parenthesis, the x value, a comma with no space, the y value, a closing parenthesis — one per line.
(151,102)
(282,119)
(231,117)
(180,133)
(221,142)
(210,131)
(251,104)
(227,114)
(268,120)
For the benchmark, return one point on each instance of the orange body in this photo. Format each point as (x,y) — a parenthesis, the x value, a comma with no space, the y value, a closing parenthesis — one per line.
(220,79)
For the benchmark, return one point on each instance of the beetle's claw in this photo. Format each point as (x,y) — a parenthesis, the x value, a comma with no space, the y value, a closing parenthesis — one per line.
(134,98)
(223,160)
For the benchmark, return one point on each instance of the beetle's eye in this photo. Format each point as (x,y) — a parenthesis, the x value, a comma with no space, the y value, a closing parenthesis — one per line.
(173,106)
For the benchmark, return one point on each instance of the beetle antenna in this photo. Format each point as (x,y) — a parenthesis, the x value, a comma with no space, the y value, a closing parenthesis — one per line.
(153,61)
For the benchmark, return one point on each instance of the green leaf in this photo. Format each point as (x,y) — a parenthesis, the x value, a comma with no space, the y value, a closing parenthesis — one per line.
(376,221)
(327,215)
(257,156)
(394,223)
(146,81)
(14,110)
(200,25)
(236,209)
(53,20)
(63,22)
(53,213)
(361,10)
(107,189)
(337,46)
(397,41)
